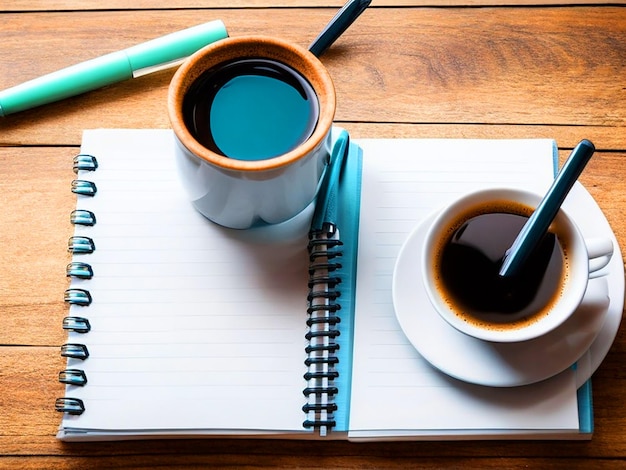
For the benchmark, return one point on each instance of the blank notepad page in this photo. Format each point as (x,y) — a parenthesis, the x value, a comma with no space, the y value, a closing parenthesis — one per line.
(394,390)
(193,326)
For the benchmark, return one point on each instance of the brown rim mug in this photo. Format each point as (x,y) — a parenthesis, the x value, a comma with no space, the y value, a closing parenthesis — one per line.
(240,193)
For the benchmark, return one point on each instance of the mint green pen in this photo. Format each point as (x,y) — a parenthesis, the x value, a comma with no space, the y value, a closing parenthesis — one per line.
(133,62)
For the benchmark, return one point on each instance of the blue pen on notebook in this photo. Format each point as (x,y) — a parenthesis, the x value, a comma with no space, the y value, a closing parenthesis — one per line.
(135,61)
(326,209)
(324,280)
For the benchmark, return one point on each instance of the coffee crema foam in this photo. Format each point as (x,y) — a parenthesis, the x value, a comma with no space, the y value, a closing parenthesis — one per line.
(549,290)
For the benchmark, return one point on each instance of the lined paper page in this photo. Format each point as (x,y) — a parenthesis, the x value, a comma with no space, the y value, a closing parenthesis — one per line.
(193,326)
(394,390)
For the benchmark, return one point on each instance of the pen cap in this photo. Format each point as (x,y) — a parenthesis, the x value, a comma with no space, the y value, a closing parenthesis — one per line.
(162,51)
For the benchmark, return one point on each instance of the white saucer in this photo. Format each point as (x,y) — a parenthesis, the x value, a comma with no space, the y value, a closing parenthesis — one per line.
(584,339)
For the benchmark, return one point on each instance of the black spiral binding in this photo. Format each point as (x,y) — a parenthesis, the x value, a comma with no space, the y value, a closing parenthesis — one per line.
(324,250)
(78,245)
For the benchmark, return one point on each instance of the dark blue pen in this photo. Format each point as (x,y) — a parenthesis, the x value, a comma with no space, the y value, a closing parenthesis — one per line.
(326,208)
(539,221)
(340,22)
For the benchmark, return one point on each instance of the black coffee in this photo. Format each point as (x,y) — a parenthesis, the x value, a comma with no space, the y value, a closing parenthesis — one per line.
(251,109)
(469,263)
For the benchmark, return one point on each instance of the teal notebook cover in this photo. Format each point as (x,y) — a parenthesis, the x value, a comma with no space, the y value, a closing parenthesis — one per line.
(585,398)
(348,225)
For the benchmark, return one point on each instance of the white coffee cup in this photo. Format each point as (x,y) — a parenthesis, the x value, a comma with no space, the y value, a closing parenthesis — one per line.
(582,259)
(256,189)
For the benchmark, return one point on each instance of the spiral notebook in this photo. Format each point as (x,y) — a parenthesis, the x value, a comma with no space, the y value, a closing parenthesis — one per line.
(178,327)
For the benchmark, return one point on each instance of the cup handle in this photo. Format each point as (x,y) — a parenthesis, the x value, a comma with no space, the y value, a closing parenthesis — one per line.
(600,251)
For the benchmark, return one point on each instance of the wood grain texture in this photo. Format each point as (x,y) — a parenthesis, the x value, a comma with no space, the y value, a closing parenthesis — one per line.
(56,5)
(403,70)
(482,67)
(34,228)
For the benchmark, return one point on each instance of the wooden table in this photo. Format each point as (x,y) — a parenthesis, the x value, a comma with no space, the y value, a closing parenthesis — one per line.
(407,68)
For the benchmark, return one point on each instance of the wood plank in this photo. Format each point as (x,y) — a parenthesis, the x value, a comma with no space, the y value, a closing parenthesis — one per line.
(244,462)
(30,386)
(67,131)
(604,179)
(604,138)
(441,66)
(78,5)
(34,228)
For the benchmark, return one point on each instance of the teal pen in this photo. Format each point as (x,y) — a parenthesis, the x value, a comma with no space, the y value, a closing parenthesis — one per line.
(326,210)
(133,62)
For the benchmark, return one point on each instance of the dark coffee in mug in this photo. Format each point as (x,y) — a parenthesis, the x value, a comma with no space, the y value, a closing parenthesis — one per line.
(251,109)
(468,260)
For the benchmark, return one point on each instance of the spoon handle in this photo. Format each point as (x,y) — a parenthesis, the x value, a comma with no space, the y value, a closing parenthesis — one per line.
(340,22)
(537,224)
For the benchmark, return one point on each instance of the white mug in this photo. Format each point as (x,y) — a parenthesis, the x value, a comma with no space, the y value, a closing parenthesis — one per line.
(244,192)
(582,259)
